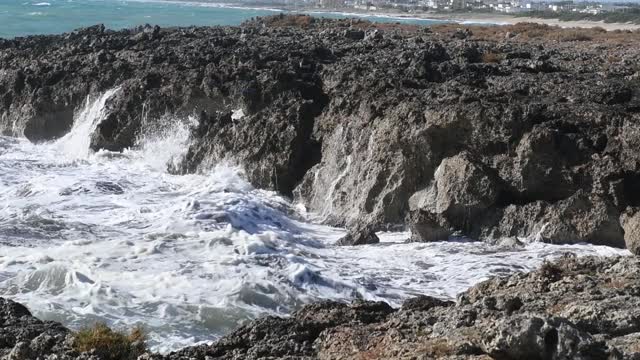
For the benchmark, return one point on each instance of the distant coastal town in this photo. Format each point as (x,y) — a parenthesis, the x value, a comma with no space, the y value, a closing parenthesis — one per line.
(505,6)
(593,11)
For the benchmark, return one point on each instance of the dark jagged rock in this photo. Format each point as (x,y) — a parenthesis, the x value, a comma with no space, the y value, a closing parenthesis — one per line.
(586,308)
(356,124)
(22,336)
(359,237)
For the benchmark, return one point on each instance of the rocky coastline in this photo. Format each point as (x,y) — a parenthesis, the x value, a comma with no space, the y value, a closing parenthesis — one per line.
(489,133)
(574,308)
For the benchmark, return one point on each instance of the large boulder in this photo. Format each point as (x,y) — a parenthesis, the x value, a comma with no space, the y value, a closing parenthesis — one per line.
(428,227)
(362,236)
(541,168)
(530,337)
(583,218)
(580,218)
(461,187)
(461,190)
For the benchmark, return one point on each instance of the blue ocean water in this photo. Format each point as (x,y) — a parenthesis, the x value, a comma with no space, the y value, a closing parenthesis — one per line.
(20,17)
(30,17)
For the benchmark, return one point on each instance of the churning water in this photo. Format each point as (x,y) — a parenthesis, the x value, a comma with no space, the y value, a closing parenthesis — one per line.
(113,237)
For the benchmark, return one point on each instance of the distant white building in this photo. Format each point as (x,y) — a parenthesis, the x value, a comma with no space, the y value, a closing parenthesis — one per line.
(431,4)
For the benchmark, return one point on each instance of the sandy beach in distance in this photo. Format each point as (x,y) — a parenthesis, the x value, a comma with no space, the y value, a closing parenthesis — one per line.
(475,18)
(508,19)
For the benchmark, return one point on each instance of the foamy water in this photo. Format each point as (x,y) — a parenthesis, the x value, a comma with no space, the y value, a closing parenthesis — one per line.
(112,237)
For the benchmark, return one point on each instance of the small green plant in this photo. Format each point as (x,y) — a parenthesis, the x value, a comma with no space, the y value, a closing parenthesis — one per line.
(108,344)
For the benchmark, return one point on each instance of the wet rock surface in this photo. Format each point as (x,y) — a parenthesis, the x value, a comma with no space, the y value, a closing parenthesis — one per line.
(368,125)
(359,237)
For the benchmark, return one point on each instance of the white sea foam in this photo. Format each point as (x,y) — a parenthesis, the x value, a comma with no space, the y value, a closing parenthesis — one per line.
(237,114)
(42,4)
(76,142)
(113,237)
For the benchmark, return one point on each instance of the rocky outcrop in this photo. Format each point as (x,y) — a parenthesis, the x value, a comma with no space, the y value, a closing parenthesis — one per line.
(359,237)
(454,132)
(586,308)
(461,190)
(22,336)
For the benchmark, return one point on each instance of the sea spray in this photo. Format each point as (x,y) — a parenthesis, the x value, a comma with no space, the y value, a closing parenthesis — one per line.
(163,142)
(76,143)
(116,238)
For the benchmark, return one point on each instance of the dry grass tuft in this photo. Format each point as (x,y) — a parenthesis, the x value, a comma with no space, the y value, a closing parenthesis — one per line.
(437,348)
(108,344)
(531,31)
(491,57)
(614,59)
(573,35)
(282,20)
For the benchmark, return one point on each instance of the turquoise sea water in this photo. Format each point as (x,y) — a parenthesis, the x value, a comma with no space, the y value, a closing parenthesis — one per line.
(29,17)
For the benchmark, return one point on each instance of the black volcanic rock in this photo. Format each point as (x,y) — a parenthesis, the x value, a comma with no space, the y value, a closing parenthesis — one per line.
(354,119)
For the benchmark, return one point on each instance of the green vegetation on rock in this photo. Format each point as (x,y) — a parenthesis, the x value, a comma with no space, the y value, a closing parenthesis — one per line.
(108,344)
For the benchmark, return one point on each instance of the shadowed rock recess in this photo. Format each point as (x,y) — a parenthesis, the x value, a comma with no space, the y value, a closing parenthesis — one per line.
(585,308)
(489,133)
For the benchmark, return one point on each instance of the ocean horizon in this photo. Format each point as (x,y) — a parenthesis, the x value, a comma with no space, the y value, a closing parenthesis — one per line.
(38,17)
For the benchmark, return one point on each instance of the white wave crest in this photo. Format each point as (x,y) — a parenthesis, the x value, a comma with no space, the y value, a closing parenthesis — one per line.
(116,238)
(76,143)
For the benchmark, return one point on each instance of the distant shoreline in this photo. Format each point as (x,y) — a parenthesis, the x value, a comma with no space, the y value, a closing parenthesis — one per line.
(503,19)
(478,18)
(460,18)
(472,18)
